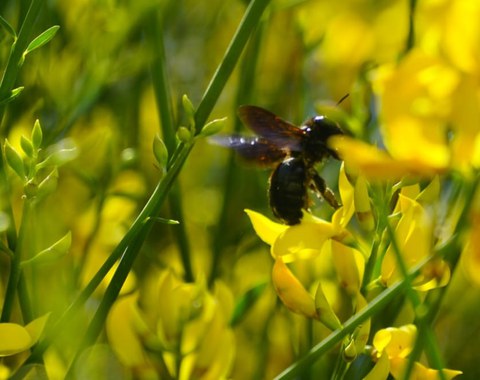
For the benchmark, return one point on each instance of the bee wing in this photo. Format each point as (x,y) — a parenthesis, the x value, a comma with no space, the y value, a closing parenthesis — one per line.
(271,127)
(252,149)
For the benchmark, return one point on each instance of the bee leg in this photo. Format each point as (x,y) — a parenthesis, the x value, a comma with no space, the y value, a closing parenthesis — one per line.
(326,193)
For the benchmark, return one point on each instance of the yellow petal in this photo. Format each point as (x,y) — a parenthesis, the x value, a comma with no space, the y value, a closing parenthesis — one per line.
(325,313)
(419,372)
(363,331)
(266,229)
(413,234)
(396,342)
(430,193)
(291,291)
(35,327)
(369,161)
(346,266)
(14,339)
(121,332)
(347,194)
(302,241)
(381,369)
(363,209)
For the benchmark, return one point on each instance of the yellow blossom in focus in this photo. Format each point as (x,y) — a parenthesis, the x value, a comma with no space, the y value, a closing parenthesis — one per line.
(313,239)
(392,347)
(413,234)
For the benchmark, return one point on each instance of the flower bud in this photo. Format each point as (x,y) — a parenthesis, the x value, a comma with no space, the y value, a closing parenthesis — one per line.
(184,134)
(363,208)
(160,151)
(213,127)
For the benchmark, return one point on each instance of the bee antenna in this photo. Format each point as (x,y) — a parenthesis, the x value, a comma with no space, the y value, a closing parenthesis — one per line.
(342,99)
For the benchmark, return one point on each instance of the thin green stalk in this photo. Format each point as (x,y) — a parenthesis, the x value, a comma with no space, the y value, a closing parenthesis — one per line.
(7,83)
(163,99)
(424,329)
(411,26)
(372,259)
(111,294)
(451,251)
(24,299)
(374,307)
(15,58)
(15,267)
(245,89)
(249,22)
(152,208)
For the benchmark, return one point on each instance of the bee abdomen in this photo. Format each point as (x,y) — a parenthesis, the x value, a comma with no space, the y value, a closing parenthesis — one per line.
(288,190)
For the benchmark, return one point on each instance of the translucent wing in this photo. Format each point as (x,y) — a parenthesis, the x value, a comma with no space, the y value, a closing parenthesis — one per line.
(252,149)
(271,127)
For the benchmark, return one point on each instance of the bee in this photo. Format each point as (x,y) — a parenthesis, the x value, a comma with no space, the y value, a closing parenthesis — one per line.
(293,152)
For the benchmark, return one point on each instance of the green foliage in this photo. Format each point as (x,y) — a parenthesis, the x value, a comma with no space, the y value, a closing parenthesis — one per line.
(160,274)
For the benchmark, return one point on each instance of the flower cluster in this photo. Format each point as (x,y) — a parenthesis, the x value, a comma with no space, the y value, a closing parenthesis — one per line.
(316,248)
(174,328)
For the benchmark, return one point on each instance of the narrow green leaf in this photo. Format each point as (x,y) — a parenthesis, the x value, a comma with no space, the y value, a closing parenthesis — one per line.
(246,302)
(27,146)
(8,28)
(52,253)
(13,95)
(37,135)
(49,184)
(164,220)
(14,160)
(42,39)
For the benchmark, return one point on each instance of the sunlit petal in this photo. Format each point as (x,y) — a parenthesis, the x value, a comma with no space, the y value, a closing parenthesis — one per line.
(420,372)
(302,241)
(396,342)
(291,291)
(266,229)
(14,339)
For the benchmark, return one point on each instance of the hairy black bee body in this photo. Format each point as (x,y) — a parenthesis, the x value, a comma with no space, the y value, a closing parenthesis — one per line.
(288,190)
(293,152)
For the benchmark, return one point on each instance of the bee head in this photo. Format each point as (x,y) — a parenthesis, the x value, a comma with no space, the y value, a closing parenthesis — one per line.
(318,130)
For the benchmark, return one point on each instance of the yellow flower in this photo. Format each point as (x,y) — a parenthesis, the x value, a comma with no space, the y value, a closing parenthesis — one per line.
(348,34)
(16,339)
(451,28)
(422,100)
(413,234)
(178,322)
(392,347)
(313,239)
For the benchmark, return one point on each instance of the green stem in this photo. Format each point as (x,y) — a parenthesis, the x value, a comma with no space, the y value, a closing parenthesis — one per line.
(424,329)
(163,99)
(245,89)
(249,22)
(374,307)
(15,58)
(411,26)
(152,208)
(111,294)
(451,251)
(15,267)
